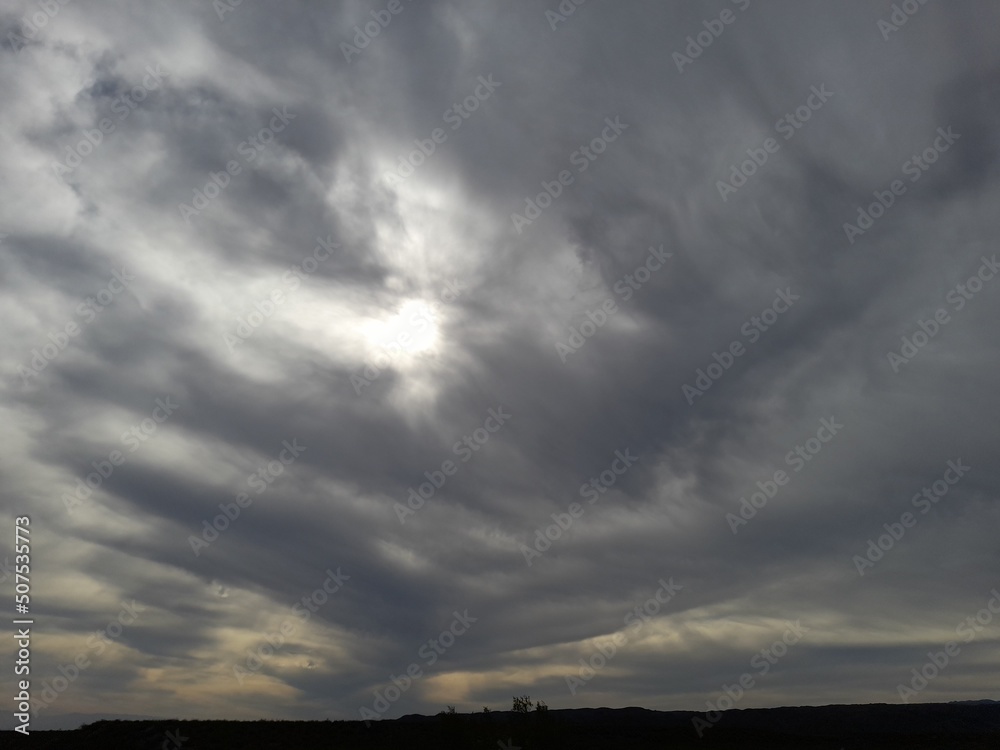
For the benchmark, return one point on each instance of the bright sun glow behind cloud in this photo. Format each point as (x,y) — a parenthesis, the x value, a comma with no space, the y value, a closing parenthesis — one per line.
(412,329)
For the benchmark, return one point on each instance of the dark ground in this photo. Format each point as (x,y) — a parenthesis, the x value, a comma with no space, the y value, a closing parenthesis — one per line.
(910,727)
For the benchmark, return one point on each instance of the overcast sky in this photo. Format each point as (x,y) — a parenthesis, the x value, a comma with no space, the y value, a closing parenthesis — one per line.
(590,282)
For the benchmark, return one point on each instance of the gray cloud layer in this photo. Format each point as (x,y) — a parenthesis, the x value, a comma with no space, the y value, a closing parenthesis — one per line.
(316,297)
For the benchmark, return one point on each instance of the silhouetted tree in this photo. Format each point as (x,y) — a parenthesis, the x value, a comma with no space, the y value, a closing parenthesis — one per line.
(522,704)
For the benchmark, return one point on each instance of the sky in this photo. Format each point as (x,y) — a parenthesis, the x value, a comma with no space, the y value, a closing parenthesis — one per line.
(365,358)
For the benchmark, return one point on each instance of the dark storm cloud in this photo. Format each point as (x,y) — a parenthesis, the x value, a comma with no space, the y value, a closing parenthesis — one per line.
(323,177)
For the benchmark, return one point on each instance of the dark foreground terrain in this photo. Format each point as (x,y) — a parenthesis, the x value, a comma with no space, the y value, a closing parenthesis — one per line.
(915,727)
